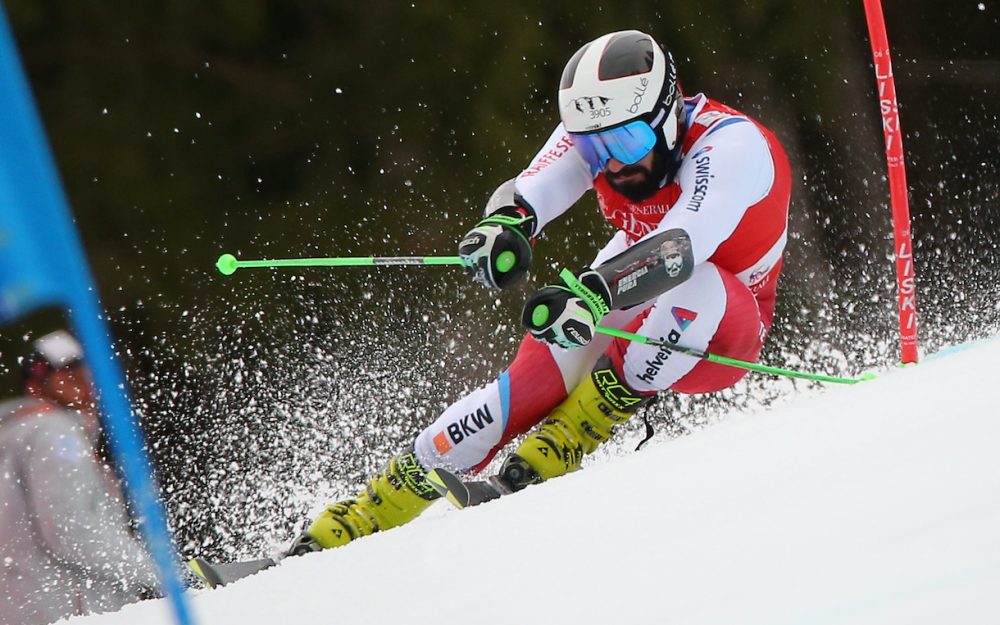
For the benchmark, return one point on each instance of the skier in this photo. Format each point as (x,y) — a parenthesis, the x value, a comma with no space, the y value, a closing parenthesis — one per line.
(64,532)
(699,193)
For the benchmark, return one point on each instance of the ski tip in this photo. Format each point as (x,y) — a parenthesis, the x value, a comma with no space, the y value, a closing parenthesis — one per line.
(449,486)
(205,572)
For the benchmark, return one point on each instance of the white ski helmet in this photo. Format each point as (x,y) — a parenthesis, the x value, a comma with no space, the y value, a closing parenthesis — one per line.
(619,98)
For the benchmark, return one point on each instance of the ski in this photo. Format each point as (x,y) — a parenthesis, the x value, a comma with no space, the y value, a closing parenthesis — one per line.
(461,494)
(466,494)
(215,575)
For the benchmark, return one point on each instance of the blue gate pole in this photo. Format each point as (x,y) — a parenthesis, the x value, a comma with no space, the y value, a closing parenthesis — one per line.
(42,262)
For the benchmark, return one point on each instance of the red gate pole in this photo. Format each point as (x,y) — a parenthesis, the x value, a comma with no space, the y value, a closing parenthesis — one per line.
(905,280)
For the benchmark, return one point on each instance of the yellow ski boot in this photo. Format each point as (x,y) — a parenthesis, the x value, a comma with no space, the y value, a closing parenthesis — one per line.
(395,496)
(575,427)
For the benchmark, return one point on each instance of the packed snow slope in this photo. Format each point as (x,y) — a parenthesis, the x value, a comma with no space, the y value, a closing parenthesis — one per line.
(878,503)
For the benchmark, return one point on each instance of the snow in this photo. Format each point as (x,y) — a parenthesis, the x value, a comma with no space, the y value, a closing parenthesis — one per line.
(878,503)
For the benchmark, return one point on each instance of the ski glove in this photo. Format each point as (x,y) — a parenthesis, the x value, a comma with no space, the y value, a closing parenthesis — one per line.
(567,314)
(497,252)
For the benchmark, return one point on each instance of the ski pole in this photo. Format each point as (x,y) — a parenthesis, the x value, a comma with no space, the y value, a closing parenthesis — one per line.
(732,362)
(228,264)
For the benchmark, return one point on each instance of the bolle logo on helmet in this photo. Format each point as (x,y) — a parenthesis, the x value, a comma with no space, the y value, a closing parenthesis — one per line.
(638,93)
(671,80)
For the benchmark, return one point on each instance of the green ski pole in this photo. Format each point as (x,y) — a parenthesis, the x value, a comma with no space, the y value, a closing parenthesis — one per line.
(732,362)
(228,264)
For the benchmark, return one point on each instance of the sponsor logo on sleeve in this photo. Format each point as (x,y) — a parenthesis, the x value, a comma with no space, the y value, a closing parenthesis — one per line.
(562,146)
(760,278)
(702,178)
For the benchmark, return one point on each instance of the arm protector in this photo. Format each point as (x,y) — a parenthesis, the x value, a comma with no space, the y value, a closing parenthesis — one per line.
(649,268)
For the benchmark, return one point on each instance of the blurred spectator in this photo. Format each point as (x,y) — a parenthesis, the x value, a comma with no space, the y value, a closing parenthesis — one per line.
(65,544)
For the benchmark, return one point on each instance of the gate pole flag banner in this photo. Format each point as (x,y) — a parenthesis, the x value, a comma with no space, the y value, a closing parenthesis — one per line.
(42,264)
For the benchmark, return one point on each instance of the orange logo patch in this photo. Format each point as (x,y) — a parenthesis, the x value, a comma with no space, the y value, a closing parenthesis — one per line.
(442,443)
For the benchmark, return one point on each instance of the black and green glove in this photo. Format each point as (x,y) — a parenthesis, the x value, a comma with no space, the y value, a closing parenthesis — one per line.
(567,314)
(497,252)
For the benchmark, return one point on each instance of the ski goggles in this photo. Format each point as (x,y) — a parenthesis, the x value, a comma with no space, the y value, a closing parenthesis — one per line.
(628,144)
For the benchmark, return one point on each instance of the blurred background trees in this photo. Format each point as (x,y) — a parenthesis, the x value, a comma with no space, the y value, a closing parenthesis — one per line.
(284,128)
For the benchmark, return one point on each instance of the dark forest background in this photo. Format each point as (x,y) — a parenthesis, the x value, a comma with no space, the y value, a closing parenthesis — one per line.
(270,128)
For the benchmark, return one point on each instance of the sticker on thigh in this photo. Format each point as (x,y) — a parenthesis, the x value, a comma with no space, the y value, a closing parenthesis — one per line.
(688,315)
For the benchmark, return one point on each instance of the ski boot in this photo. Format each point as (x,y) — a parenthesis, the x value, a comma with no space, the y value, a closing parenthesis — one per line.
(396,495)
(575,428)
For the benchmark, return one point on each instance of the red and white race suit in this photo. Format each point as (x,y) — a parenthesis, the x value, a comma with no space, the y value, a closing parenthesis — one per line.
(731,196)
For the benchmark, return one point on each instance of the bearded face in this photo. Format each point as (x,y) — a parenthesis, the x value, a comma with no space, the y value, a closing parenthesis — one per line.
(639,181)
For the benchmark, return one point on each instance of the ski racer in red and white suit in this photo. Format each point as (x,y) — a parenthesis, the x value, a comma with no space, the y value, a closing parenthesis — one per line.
(699,193)
(731,195)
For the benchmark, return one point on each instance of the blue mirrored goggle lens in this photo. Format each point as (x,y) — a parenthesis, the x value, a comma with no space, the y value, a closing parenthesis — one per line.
(628,144)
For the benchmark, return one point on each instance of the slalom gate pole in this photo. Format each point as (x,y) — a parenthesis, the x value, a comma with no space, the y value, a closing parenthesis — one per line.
(905,279)
(228,264)
(732,362)
(35,220)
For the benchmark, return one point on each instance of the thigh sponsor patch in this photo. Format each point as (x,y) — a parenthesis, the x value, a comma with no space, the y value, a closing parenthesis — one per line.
(654,364)
(683,317)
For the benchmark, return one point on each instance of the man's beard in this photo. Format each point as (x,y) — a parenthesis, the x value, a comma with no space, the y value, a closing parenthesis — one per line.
(642,186)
